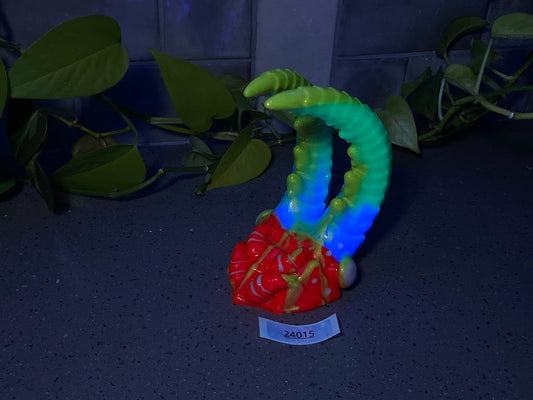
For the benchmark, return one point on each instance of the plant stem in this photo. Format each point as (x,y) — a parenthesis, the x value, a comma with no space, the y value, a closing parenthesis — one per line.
(520,88)
(164,120)
(500,74)
(446,118)
(439,99)
(122,115)
(490,82)
(115,132)
(11,46)
(281,141)
(120,193)
(449,93)
(519,71)
(524,66)
(482,67)
(183,169)
(74,124)
(503,111)
(205,183)
(146,118)
(177,129)
(274,131)
(161,122)
(226,136)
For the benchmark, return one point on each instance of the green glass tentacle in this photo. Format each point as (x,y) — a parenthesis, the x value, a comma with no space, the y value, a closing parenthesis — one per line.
(308,184)
(275,81)
(351,213)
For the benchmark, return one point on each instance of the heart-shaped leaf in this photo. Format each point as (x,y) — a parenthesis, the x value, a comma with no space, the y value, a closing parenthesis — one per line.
(194,159)
(199,146)
(234,83)
(478,49)
(3,87)
(245,159)
(425,97)
(106,170)
(200,154)
(198,96)
(410,87)
(459,27)
(6,184)
(399,122)
(236,86)
(462,76)
(88,143)
(513,26)
(80,57)
(40,181)
(27,140)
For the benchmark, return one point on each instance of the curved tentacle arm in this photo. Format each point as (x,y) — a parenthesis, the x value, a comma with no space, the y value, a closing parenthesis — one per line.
(299,256)
(303,204)
(343,226)
(275,81)
(308,185)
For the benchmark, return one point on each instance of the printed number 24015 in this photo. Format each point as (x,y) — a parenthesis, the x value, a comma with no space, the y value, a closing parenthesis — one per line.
(299,334)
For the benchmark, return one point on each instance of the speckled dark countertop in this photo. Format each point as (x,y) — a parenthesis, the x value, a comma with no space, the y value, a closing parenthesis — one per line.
(129,299)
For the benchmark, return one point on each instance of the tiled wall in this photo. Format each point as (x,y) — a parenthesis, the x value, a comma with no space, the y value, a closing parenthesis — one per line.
(366,48)
(380,45)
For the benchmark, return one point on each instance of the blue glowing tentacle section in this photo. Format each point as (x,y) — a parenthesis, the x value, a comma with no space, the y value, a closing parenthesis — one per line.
(343,226)
(303,204)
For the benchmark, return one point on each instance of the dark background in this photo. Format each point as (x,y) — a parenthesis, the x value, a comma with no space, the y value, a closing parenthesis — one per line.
(129,299)
(366,48)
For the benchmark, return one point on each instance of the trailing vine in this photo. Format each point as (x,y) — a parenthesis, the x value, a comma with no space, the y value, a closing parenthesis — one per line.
(453,98)
(85,57)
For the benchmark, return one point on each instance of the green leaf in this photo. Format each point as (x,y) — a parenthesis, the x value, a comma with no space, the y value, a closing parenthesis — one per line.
(110,169)
(468,115)
(199,146)
(478,49)
(459,27)
(196,159)
(461,76)
(6,184)
(410,87)
(3,87)
(425,97)
(40,181)
(236,86)
(245,159)
(80,57)
(234,83)
(200,154)
(513,26)
(28,140)
(198,96)
(88,143)
(399,122)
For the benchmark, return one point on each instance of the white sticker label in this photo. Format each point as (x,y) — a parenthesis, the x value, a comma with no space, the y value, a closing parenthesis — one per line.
(299,334)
